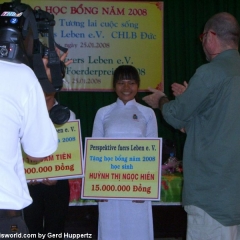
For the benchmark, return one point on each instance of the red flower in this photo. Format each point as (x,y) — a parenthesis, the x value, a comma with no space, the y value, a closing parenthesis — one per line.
(160,87)
(159,5)
(164,185)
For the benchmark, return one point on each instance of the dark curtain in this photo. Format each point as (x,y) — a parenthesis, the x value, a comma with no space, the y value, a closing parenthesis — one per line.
(183,22)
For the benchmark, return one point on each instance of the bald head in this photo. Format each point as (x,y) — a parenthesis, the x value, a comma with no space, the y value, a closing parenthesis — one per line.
(226,27)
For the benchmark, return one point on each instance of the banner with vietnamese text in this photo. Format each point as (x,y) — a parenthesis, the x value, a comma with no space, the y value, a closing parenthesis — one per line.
(101,35)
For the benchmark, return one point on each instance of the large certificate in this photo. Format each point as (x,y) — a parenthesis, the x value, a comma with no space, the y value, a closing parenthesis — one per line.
(122,168)
(66,162)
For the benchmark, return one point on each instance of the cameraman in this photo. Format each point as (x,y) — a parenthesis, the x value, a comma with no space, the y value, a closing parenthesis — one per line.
(24,122)
(48,211)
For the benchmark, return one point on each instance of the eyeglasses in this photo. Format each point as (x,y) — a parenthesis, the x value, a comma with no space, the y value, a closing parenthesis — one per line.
(203,34)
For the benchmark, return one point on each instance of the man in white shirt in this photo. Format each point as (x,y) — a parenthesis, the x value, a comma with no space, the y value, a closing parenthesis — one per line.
(24,122)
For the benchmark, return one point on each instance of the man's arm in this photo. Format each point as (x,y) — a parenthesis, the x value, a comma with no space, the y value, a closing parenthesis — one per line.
(158,98)
(153,99)
(35,159)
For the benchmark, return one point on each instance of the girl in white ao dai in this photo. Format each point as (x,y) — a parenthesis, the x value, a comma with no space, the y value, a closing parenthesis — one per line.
(125,219)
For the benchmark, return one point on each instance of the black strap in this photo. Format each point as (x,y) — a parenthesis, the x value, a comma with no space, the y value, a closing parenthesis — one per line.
(37,63)
(54,61)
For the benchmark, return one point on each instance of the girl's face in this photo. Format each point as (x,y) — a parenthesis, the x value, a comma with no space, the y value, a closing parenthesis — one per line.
(126,90)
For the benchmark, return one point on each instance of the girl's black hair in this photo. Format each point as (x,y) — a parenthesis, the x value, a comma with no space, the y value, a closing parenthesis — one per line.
(125,72)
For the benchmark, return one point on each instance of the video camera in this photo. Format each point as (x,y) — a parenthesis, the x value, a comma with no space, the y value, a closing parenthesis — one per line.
(20,27)
(18,21)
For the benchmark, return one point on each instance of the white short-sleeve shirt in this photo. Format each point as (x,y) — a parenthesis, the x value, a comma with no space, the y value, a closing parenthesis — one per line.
(24,121)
